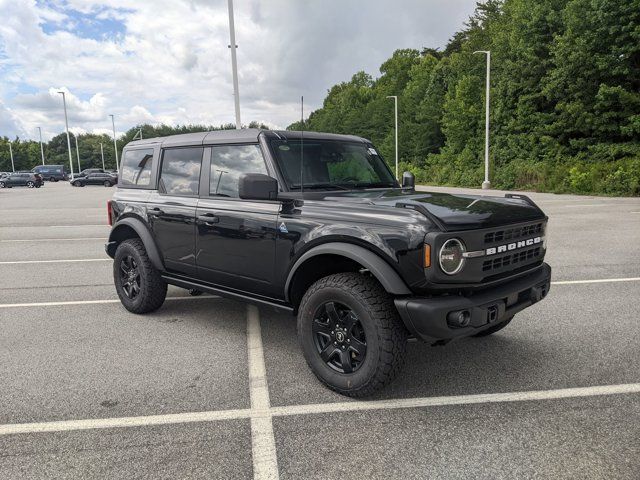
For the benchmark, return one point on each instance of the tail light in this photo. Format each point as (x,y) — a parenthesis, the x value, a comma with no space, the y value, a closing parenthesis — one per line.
(109,213)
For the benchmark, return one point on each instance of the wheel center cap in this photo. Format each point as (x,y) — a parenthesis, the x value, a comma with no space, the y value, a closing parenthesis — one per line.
(340,336)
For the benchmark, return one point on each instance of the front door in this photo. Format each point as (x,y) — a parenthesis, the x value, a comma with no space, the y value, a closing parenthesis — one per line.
(172,210)
(235,245)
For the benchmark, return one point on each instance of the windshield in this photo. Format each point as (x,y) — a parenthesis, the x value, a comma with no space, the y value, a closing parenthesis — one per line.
(330,164)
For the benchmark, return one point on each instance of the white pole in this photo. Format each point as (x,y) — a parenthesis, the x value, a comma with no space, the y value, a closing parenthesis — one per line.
(234,64)
(486,184)
(66,122)
(13,168)
(395,100)
(115,144)
(102,155)
(41,148)
(77,152)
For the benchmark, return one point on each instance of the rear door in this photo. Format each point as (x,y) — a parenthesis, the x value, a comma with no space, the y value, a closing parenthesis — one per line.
(235,243)
(172,208)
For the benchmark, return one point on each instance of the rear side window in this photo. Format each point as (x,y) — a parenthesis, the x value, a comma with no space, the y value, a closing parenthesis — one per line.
(180,174)
(136,167)
(228,162)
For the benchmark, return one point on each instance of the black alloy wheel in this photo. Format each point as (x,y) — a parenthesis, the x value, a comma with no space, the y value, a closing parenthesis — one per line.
(339,337)
(130,277)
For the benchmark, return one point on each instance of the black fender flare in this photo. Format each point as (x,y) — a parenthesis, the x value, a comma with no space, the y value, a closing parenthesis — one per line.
(143,232)
(379,268)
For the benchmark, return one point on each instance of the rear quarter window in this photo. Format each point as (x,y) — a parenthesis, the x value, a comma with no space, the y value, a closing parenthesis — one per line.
(136,167)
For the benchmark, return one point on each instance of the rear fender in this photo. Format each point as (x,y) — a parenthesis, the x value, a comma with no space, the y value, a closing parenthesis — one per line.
(118,234)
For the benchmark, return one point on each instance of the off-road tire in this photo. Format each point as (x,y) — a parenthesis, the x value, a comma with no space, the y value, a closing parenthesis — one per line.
(386,335)
(153,289)
(497,327)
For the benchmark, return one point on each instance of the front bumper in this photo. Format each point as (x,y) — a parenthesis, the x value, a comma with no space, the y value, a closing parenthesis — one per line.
(437,318)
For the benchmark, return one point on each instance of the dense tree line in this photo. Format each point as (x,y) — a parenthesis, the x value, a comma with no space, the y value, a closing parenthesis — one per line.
(26,153)
(565,99)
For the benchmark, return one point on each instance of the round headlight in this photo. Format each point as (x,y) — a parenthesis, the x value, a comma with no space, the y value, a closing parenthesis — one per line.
(451,259)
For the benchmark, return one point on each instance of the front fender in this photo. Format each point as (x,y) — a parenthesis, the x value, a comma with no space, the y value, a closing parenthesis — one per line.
(379,268)
(119,234)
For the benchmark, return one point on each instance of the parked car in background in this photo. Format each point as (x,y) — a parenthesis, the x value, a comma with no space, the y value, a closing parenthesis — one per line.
(99,178)
(21,179)
(88,171)
(52,173)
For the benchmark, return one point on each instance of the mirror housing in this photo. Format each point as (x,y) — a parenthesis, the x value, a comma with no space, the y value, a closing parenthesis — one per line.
(257,186)
(408,180)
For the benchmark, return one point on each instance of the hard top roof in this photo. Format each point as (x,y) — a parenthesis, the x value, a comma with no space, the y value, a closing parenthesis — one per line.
(245,135)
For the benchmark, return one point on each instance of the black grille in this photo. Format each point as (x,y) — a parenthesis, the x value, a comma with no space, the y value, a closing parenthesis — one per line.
(511,259)
(513,233)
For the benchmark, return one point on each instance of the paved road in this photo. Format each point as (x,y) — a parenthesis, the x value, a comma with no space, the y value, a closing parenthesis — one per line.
(169,395)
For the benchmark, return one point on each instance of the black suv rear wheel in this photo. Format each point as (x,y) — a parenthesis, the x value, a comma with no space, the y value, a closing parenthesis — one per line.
(138,283)
(351,334)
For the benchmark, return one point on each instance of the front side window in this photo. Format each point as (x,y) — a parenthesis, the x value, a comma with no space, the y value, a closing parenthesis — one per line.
(136,167)
(180,174)
(331,164)
(228,162)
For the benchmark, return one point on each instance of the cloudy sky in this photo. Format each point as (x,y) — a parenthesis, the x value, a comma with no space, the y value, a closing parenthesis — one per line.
(167,61)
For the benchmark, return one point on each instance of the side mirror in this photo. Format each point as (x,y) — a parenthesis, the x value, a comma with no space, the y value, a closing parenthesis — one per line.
(257,186)
(408,180)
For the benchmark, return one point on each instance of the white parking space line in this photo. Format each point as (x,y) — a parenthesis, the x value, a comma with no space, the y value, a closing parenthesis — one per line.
(600,280)
(90,302)
(77,239)
(72,260)
(76,225)
(314,409)
(536,395)
(263,443)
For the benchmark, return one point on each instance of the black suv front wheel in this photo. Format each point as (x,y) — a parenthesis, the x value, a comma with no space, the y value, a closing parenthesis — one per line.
(139,285)
(351,334)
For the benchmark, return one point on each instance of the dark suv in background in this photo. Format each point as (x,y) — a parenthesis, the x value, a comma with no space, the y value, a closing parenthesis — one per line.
(52,173)
(21,179)
(316,225)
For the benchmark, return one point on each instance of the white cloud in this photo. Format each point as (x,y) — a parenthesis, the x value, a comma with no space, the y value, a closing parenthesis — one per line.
(172,63)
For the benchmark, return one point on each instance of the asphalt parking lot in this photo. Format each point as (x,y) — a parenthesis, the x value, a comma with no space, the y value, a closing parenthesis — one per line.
(211,388)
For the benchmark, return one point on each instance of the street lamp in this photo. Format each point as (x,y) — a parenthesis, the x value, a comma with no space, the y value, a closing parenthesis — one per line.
(395,100)
(234,64)
(115,143)
(66,122)
(77,152)
(102,155)
(41,149)
(486,184)
(13,168)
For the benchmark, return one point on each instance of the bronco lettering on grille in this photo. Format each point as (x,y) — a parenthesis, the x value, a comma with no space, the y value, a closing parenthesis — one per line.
(513,246)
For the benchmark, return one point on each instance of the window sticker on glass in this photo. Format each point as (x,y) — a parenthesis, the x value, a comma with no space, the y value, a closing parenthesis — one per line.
(284,148)
(372,151)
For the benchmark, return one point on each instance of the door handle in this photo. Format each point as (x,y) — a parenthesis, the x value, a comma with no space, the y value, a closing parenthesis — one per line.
(208,218)
(155,212)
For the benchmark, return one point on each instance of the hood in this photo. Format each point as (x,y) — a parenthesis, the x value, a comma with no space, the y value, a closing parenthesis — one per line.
(453,211)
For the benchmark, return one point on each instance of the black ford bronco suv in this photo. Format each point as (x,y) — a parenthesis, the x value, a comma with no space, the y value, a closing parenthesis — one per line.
(316,225)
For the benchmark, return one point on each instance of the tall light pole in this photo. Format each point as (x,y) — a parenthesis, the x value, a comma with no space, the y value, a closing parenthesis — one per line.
(102,155)
(486,184)
(395,100)
(13,167)
(234,64)
(41,149)
(66,123)
(115,143)
(77,152)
